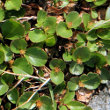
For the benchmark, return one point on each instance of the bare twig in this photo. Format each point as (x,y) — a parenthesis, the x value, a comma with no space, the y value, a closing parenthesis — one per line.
(30,76)
(42,85)
(25,18)
(14,86)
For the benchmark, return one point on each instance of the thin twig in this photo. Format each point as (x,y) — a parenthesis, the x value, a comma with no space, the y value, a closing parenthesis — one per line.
(25,18)
(42,85)
(30,76)
(14,86)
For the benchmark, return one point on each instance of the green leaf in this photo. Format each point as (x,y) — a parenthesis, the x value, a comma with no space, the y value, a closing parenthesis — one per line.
(90,81)
(86,19)
(73,20)
(64,3)
(94,14)
(2,67)
(13,4)
(91,36)
(107,15)
(41,17)
(96,59)
(76,69)
(21,66)
(108,58)
(13,96)
(50,25)
(67,57)
(63,31)
(75,105)
(82,53)
(57,77)
(36,56)
(51,40)
(92,46)
(12,29)
(68,97)
(2,14)
(37,36)
(17,45)
(104,34)
(106,44)
(72,85)
(46,103)
(99,2)
(63,107)
(1,57)
(87,108)
(31,104)
(8,78)
(89,0)
(105,75)
(3,87)
(27,26)
(57,63)
(7,106)
(7,52)
(81,37)
(100,24)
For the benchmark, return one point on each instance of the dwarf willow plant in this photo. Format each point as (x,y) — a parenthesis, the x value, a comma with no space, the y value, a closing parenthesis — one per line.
(85,63)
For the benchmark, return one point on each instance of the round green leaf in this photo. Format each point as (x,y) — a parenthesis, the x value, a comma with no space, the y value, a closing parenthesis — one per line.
(13,4)
(104,34)
(2,67)
(2,14)
(90,81)
(51,40)
(73,20)
(50,25)
(81,37)
(57,63)
(67,57)
(92,46)
(46,103)
(86,18)
(12,29)
(1,57)
(31,104)
(99,2)
(57,77)
(36,56)
(8,78)
(3,87)
(76,69)
(63,31)
(37,36)
(7,52)
(105,75)
(41,17)
(68,97)
(87,108)
(21,66)
(13,96)
(94,14)
(91,36)
(72,85)
(96,59)
(82,53)
(107,15)
(75,105)
(63,107)
(17,45)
